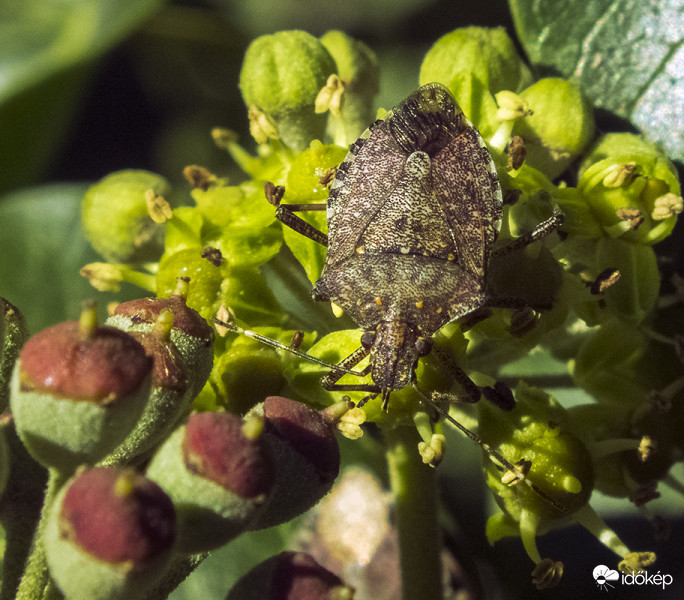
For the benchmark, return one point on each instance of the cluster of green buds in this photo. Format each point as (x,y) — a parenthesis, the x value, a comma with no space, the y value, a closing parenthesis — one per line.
(306,100)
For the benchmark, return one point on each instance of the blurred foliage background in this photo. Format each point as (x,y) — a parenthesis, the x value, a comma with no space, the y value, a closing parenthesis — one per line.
(88,87)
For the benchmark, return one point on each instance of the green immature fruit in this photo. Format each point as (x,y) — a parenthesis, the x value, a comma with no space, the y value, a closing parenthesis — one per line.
(290,576)
(216,470)
(280,79)
(302,445)
(13,334)
(180,342)
(560,127)
(116,218)
(109,535)
(77,390)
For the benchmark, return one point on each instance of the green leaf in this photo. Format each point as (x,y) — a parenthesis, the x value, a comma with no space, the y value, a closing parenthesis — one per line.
(42,249)
(626,54)
(45,48)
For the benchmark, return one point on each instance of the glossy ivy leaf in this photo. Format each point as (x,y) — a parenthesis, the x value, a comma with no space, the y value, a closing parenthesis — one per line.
(626,54)
(45,48)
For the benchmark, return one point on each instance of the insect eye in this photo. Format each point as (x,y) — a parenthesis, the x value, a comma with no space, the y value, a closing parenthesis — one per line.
(423,346)
(367,339)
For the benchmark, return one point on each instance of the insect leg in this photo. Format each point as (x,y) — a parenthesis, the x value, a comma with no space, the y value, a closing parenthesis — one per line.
(472,391)
(512,472)
(285,213)
(543,229)
(329,382)
(500,394)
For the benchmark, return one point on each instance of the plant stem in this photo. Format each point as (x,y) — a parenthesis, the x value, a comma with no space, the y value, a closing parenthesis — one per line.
(414,489)
(36,583)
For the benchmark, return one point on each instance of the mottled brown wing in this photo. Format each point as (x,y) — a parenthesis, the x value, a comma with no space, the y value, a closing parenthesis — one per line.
(369,173)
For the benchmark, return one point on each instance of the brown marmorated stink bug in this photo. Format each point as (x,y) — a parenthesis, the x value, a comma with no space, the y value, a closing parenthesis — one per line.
(413,213)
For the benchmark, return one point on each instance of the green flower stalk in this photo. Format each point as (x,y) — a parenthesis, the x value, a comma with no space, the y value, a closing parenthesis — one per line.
(122,220)
(281,77)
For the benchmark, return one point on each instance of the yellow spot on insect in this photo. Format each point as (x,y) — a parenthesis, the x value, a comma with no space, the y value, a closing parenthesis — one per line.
(378,300)
(439,310)
(360,250)
(419,304)
(451,256)
(337,311)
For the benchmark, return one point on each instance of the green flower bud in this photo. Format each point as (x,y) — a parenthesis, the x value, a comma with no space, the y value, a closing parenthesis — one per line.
(109,535)
(181,345)
(488,54)
(560,127)
(117,220)
(357,68)
(77,390)
(281,77)
(632,188)
(306,458)
(290,576)
(13,334)
(580,219)
(218,474)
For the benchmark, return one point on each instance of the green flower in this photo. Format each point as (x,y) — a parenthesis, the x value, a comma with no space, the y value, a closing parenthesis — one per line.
(632,188)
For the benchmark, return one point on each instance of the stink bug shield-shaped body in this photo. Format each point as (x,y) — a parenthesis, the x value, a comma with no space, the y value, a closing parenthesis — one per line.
(412,215)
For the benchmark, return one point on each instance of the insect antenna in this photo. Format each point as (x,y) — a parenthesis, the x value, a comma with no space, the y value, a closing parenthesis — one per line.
(512,472)
(291,348)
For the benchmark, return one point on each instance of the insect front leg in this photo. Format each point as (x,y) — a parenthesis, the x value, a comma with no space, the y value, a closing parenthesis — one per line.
(499,394)
(285,213)
(546,227)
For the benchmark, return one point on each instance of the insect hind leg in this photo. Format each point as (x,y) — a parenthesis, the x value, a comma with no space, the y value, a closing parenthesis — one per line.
(500,394)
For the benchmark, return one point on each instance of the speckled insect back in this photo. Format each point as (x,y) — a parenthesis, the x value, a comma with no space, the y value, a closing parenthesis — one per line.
(412,215)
